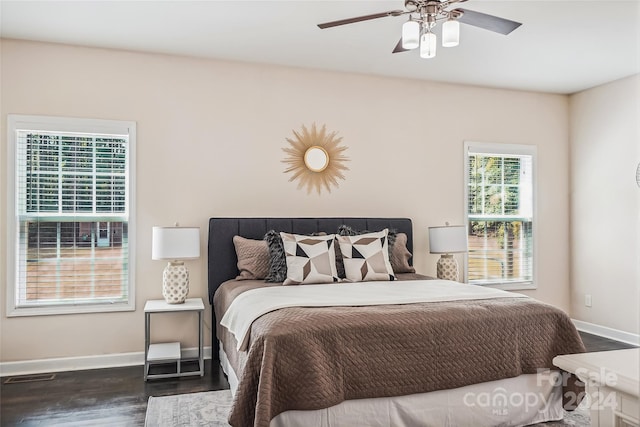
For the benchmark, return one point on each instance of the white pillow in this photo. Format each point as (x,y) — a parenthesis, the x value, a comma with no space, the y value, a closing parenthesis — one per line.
(310,259)
(366,256)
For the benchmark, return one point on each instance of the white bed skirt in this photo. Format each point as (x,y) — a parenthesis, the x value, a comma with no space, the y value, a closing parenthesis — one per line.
(519,401)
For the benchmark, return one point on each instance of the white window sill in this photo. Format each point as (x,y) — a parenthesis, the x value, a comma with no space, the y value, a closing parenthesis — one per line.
(522,286)
(54,310)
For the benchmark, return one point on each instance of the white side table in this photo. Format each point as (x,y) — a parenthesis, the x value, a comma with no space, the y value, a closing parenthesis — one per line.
(165,353)
(611,379)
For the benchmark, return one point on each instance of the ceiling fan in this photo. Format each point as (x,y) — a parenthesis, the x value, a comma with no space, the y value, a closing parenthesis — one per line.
(423,17)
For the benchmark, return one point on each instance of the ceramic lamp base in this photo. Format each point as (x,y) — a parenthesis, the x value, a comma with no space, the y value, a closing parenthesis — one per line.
(175,282)
(447,268)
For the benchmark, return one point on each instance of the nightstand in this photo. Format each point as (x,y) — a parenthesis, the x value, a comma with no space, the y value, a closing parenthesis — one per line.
(170,353)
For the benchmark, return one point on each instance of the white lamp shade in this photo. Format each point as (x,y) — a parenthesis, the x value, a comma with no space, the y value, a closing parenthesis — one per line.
(174,243)
(410,35)
(448,239)
(428,45)
(450,33)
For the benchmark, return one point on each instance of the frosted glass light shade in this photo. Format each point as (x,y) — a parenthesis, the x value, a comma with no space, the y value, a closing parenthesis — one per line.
(428,45)
(175,243)
(410,35)
(450,33)
(448,239)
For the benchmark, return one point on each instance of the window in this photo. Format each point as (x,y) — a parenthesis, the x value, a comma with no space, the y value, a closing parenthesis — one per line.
(71,215)
(500,214)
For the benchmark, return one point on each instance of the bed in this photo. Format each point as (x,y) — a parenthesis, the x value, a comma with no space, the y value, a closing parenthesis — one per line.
(469,361)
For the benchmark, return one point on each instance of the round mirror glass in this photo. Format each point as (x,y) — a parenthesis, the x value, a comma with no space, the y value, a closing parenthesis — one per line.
(316,158)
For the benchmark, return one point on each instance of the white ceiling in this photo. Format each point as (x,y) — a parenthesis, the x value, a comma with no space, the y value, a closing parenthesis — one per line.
(562,46)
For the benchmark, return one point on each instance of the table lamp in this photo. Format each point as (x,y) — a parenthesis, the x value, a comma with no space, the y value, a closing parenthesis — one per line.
(446,241)
(175,244)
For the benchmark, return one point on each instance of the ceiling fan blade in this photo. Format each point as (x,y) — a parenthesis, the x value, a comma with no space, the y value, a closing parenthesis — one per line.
(399,47)
(487,22)
(361,18)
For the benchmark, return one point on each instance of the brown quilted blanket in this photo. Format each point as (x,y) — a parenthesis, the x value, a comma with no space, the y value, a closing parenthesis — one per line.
(313,358)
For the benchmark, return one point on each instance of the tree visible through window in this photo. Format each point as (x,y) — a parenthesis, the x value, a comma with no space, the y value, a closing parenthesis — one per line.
(500,214)
(72,212)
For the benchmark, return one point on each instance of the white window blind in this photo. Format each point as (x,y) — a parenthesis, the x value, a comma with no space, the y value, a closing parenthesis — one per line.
(72,213)
(500,214)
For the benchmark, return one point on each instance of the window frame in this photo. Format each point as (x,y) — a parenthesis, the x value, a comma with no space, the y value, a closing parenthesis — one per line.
(65,124)
(500,149)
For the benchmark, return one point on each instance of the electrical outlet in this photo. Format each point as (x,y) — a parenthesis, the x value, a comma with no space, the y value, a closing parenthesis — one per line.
(587,300)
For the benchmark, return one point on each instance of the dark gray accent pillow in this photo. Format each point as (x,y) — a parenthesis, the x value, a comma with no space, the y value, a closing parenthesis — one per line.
(345,230)
(277,258)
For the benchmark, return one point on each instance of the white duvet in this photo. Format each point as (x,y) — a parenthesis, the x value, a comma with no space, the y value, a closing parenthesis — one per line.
(250,305)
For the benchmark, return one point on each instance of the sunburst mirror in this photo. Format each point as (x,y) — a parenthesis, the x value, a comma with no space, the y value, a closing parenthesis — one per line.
(316,159)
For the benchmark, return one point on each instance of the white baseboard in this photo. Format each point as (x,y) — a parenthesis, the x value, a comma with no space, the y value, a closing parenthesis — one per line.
(29,367)
(603,331)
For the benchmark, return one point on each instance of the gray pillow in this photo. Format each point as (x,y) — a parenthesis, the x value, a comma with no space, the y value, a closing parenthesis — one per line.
(400,255)
(253,258)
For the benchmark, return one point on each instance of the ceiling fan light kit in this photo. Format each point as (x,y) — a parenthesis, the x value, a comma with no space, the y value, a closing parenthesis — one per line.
(428,44)
(423,17)
(451,33)
(410,34)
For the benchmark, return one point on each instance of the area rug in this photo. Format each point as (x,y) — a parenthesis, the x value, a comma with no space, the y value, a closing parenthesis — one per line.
(211,408)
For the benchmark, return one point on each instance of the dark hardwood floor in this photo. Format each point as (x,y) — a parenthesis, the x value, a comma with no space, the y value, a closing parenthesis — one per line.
(597,343)
(118,396)
(97,397)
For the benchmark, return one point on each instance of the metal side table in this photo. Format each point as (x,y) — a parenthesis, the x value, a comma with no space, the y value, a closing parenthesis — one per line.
(170,353)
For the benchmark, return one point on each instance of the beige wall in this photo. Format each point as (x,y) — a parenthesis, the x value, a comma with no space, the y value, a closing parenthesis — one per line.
(210,135)
(605,204)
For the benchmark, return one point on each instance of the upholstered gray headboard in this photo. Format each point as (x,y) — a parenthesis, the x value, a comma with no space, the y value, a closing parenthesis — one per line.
(222,254)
